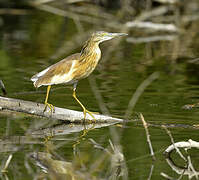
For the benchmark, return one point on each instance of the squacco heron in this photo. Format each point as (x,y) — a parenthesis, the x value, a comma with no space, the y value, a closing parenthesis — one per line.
(74,68)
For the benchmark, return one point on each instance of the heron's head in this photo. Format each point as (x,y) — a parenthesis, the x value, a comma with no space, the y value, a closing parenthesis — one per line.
(101,36)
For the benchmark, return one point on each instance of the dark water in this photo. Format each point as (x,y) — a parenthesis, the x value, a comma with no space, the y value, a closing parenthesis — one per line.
(31,42)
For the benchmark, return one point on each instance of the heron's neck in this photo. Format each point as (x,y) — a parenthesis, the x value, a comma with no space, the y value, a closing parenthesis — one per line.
(90,48)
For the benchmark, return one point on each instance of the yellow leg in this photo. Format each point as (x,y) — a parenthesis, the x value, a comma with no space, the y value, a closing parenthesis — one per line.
(80,138)
(52,109)
(84,109)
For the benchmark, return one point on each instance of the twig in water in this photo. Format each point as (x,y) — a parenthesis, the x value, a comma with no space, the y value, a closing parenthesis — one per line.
(194,61)
(189,18)
(166,176)
(138,93)
(151,172)
(181,175)
(153,26)
(183,144)
(4,170)
(172,140)
(60,12)
(39,2)
(167,1)
(69,46)
(191,168)
(151,39)
(152,13)
(148,136)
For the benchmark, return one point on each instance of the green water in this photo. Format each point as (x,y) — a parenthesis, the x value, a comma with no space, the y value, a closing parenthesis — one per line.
(32,42)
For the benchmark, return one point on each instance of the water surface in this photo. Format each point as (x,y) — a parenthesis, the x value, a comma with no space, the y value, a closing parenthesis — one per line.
(30,43)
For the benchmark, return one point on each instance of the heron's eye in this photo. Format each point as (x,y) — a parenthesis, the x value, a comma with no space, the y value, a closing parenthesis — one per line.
(104,34)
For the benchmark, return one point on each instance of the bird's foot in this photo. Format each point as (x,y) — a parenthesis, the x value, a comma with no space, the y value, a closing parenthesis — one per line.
(90,113)
(50,106)
(48,138)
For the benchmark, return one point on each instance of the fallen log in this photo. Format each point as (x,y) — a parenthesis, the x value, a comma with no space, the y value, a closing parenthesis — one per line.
(187,169)
(67,115)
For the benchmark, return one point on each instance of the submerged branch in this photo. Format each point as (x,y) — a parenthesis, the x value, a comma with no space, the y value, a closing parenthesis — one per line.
(67,115)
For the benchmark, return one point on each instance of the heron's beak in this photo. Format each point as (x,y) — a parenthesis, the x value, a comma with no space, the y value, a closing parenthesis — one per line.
(109,36)
(117,34)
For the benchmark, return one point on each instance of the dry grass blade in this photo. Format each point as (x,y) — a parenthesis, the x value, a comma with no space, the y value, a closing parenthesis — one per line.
(191,168)
(151,172)
(2,86)
(4,170)
(172,140)
(138,93)
(148,136)
(166,176)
